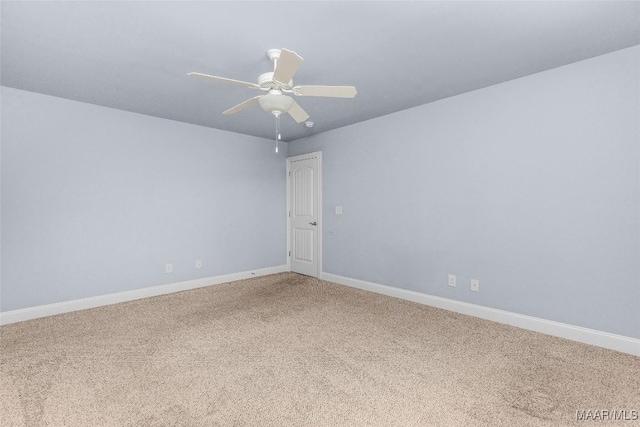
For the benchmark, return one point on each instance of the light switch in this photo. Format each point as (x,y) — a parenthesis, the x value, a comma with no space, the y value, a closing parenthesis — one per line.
(338,210)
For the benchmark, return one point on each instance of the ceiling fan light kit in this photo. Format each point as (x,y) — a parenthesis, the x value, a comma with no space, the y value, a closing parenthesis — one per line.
(277,84)
(275,102)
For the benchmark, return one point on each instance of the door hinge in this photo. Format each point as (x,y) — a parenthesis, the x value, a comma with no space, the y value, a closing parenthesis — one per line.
(289,214)
(289,173)
(289,253)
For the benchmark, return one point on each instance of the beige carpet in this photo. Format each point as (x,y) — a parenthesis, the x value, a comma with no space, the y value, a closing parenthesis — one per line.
(287,350)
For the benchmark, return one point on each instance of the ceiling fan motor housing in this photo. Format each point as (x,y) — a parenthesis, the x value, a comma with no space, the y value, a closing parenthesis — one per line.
(265,80)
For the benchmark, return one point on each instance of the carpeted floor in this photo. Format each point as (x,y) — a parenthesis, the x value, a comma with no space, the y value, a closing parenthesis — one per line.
(287,350)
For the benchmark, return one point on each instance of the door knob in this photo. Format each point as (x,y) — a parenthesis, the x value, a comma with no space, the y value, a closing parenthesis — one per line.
(313,223)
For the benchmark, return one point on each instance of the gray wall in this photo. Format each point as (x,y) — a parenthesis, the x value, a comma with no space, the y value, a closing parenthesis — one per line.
(97,200)
(532,186)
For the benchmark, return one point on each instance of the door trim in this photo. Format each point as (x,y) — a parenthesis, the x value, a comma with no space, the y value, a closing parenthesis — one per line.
(291,159)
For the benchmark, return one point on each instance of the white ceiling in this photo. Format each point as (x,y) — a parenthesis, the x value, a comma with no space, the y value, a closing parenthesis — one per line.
(135,55)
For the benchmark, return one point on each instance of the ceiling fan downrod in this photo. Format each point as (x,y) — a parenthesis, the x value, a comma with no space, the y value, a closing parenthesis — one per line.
(274,55)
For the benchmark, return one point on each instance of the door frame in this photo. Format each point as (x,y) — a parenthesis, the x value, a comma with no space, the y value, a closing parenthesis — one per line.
(291,159)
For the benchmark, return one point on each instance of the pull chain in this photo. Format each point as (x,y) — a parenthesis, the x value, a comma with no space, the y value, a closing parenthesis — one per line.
(277,130)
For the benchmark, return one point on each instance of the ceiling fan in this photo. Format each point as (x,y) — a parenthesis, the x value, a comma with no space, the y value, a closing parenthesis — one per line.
(278,84)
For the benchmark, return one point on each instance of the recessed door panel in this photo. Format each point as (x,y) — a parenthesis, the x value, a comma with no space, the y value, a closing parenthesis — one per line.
(303,185)
(303,245)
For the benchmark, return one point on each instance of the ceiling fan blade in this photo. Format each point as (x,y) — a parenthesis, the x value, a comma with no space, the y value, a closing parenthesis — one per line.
(243,105)
(327,91)
(286,67)
(296,111)
(225,80)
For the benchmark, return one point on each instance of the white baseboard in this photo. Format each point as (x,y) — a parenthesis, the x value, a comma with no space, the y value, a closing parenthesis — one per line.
(576,333)
(97,301)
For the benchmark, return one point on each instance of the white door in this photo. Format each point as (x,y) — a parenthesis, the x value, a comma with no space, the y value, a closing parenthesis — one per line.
(305,192)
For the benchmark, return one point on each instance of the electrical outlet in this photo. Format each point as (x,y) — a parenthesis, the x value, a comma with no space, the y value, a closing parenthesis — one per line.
(475,285)
(198,263)
(452,280)
(168,268)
